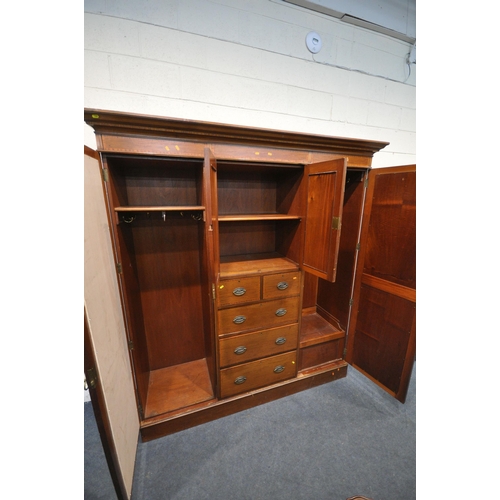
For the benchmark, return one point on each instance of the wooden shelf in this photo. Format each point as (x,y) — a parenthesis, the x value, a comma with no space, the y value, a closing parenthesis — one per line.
(178,387)
(155,208)
(316,330)
(256,217)
(244,265)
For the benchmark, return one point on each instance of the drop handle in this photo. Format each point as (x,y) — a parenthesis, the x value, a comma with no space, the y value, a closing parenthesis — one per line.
(239,291)
(240,380)
(282,285)
(279,369)
(281,311)
(280,340)
(239,319)
(240,350)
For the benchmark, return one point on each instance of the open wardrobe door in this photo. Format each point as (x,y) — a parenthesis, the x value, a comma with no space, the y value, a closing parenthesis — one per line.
(382,331)
(107,362)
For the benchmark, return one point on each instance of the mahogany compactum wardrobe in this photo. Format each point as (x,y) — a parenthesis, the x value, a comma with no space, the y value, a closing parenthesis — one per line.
(252,264)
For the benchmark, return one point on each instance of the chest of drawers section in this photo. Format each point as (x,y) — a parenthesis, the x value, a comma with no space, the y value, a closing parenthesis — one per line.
(257,327)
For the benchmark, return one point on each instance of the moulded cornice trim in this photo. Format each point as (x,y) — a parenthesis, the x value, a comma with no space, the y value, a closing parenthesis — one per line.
(120,123)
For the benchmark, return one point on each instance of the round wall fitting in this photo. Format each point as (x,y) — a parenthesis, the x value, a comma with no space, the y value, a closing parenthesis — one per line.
(313,42)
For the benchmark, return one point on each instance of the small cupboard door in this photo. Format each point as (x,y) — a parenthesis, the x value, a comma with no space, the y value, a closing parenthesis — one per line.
(325,196)
(381,336)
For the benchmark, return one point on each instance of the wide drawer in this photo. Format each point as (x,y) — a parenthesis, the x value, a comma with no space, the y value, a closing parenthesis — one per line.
(261,315)
(256,374)
(238,291)
(249,346)
(280,285)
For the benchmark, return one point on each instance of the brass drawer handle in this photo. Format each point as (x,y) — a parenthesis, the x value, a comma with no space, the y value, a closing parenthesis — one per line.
(240,350)
(239,319)
(240,380)
(282,285)
(239,291)
(280,340)
(279,369)
(281,311)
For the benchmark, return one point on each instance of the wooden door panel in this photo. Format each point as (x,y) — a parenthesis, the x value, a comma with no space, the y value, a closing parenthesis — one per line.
(321,189)
(105,330)
(383,332)
(390,250)
(325,195)
(382,329)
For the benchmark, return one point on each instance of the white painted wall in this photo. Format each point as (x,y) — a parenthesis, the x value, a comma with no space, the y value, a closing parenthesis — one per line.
(245,62)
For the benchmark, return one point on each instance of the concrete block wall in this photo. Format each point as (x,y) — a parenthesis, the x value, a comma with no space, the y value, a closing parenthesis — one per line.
(245,62)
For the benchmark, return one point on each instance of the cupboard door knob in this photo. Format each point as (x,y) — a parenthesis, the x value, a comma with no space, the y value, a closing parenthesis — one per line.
(281,311)
(279,369)
(239,319)
(239,291)
(280,340)
(282,285)
(240,380)
(240,350)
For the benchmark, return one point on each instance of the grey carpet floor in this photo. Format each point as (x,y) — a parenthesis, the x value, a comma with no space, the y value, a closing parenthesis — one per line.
(328,443)
(97,480)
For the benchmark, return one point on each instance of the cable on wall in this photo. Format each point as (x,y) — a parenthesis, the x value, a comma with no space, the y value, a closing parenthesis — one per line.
(314,45)
(411,58)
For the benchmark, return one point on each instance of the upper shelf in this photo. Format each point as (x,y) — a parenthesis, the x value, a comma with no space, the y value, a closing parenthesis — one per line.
(157,208)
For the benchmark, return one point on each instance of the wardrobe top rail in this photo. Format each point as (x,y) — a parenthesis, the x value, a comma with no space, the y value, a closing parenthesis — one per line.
(119,123)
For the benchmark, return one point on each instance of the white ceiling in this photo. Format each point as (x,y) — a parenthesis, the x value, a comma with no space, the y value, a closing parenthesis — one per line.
(396,18)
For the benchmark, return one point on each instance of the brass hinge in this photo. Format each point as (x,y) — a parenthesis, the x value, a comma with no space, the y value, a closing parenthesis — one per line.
(141,411)
(91,378)
(213,291)
(366,181)
(351,302)
(130,345)
(358,246)
(119,269)
(105,174)
(345,351)
(336,223)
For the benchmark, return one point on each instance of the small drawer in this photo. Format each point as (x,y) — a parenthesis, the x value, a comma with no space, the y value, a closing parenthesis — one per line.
(249,346)
(281,285)
(249,376)
(258,316)
(238,291)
